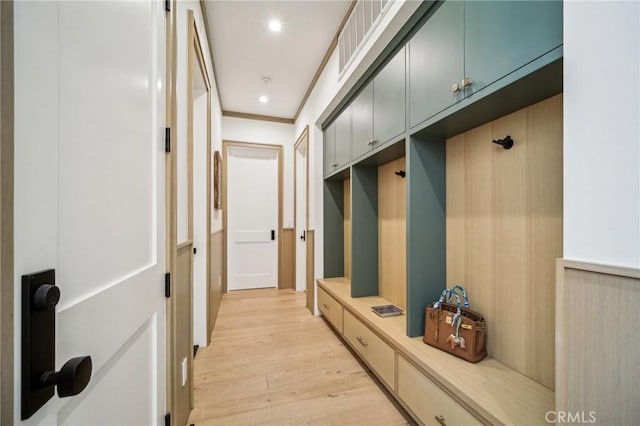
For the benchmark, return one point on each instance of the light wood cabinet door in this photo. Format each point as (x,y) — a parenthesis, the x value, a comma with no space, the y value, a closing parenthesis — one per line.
(427,401)
(371,348)
(330,308)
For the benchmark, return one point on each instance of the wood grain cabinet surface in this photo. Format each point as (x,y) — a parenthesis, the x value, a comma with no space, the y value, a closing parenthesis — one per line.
(371,348)
(427,401)
(331,309)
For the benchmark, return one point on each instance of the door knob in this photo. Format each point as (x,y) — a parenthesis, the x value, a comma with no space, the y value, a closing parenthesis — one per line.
(40,295)
(72,378)
(46,297)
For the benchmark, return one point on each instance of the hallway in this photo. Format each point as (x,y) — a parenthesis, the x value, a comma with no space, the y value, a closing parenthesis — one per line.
(271,362)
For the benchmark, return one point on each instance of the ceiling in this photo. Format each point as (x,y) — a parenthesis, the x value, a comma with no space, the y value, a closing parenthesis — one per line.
(245,50)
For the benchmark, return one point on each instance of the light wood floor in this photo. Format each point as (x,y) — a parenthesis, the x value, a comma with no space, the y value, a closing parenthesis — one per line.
(272,363)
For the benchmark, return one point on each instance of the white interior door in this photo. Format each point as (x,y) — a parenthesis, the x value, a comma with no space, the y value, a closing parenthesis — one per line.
(252,218)
(301,217)
(89,179)
(200,232)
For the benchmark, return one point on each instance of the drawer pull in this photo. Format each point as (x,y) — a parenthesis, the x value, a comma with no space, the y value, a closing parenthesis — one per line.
(440,419)
(326,306)
(362,342)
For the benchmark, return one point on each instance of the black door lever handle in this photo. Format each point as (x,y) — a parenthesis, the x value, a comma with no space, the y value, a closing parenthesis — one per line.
(303,237)
(273,235)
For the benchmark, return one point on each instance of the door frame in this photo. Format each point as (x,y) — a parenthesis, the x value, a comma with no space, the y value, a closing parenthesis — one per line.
(303,140)
(6,211)
(195,54)
(225,162)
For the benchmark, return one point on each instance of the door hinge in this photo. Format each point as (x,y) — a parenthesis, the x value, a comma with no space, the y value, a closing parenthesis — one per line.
(167,419)
(167,139)
(167,5)
(167,285)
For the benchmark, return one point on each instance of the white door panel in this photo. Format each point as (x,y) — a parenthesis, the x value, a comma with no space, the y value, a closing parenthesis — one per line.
(262,236)
(301,217)
(89,177)
(252,190)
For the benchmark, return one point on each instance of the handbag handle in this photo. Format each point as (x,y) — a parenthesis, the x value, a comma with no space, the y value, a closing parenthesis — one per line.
(448,294)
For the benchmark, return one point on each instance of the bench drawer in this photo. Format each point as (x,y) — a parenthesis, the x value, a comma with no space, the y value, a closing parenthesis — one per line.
(427,400)
(330,308)
(371,348)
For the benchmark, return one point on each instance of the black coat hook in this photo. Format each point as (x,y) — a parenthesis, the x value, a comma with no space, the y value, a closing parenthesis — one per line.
(401,173)
(507,143)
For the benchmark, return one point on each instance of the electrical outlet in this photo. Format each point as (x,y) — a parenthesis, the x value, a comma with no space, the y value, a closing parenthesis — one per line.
(184,371)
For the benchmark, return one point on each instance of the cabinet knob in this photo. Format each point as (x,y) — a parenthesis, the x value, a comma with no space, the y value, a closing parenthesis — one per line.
(334,165)
(440,419)
(455,88)
(362,341)
(466,82)
(326,306)
(372,142)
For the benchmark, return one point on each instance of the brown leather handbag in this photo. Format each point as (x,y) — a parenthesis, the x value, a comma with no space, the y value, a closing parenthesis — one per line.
(454,328)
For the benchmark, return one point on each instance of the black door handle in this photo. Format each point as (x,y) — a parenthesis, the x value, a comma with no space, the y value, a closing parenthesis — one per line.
(40,295)
(303,237)
(273,235)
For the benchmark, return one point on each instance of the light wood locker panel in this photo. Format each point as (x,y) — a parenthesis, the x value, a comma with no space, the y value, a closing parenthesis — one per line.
(392,233)
(544,176)
(510,216)
(504,232)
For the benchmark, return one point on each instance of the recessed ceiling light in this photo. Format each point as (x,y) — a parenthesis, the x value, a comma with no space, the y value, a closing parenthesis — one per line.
(264,99)
(275,25)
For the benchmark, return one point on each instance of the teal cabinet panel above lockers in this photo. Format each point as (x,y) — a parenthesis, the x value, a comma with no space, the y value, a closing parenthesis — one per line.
(389,100)
(337,143)
(502,36)
(342,153)
(436,63)
(362,122)
(328,149)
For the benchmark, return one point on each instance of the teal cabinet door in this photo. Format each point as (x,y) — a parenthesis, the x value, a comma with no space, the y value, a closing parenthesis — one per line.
(328,149)
(362,122)
(389,100)
(502,36)
(342,152)
(436,63)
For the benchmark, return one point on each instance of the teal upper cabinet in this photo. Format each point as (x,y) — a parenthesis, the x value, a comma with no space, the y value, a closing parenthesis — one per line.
(389,100)
(337,143)
(343,138)
(502,36)
(362,122)
(436,63)
(328,148)
(465,46)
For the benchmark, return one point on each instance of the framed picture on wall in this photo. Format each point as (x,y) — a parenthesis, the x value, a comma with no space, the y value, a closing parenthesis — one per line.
(217,180)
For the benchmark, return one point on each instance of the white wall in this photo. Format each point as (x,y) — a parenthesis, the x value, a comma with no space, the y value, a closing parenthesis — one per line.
(267,132)
(602,132)
(199,281)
